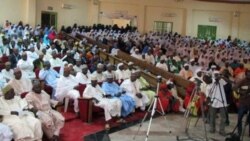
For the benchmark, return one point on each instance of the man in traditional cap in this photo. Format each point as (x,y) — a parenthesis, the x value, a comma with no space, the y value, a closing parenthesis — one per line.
(66,88)
(19,83)
(50,76)
(185,72)
(110,70)
(26,67)
(162,64)
(133,88)
(120,73)
(137,55)
(55,61)
(78,66)
(99,73)
(111,106)
(15,115)
(113,90)
(83,77)
(40,101)
(128,71)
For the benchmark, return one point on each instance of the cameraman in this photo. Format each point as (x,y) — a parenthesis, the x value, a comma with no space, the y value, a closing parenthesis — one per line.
(243,88)
(215,92)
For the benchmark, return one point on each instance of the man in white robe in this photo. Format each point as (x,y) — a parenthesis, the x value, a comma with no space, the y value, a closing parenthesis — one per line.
(133,87)
(20,84)
(5,131)
(111,106)
(15,115)
(84,76)
(78,66)
(26,67)
(99,73)
(52,120)
(66,88)
(109,71)
(162,64)
(128,71)
(120,73)
(32,55)
(55,61)
(8,73)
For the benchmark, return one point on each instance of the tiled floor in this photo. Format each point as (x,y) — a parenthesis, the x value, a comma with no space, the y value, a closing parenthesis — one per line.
(169,129)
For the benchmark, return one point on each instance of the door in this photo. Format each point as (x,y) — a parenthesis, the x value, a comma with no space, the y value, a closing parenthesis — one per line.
(207,32)
(49,19)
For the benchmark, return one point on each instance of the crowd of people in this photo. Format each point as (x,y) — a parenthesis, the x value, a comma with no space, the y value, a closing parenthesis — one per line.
(39,54)
(223,62)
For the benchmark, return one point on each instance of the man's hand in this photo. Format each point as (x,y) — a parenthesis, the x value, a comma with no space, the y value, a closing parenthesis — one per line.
(139,95)
(118,94)
(96,100)
(108,96)
(14,113)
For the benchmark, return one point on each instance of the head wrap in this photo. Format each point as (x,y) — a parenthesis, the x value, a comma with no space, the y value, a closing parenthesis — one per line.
(6,89)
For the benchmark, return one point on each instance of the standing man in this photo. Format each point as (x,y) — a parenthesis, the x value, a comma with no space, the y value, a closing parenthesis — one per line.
(215,92)
(243,88)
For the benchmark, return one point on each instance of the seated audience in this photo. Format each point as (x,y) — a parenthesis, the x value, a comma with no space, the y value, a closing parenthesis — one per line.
(20,84)
(16,115)
(52,121)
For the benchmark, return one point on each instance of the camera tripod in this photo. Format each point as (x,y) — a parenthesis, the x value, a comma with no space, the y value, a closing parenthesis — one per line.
(189,110)
(245,126)
(152,109)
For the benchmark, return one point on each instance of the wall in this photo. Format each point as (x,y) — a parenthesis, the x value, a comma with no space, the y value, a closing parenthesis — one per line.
(12,10)
(78,14)
(188,15)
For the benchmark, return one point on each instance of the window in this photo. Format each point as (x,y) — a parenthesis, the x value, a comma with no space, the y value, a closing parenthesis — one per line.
(160,26)
(207,32)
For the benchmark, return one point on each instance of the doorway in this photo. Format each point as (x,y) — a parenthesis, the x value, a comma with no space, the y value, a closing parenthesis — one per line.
(49,19)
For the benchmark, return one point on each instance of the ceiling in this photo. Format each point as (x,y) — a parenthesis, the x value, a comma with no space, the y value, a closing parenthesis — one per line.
(229,1)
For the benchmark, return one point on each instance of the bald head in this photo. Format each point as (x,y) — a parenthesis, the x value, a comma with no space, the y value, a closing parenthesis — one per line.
(66,71)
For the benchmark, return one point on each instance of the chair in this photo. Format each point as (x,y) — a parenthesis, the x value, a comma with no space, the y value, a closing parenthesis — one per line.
(37,73)
(86,106)
(2,66)
(5,59)
(57,69)
(22,95)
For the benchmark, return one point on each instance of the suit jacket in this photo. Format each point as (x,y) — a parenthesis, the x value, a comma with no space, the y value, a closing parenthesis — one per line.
(14,59)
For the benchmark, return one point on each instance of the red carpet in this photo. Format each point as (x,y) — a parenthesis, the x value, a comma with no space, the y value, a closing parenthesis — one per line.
(75,130)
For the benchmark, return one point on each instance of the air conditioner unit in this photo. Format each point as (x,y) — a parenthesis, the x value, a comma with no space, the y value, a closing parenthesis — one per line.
(67,6)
